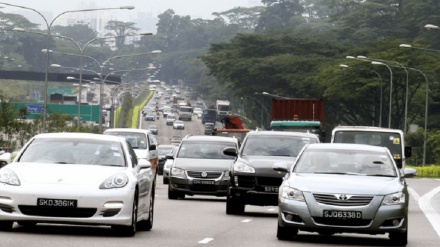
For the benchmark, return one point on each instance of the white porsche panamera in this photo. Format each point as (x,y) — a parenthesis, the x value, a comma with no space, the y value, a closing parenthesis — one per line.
(77,178)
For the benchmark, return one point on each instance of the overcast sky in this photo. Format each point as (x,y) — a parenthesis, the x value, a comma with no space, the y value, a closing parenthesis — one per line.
(195,8)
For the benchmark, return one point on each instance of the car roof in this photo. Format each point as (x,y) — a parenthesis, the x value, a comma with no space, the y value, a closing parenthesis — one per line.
(206,138)
(346,146)
(79,135)
(127,130)
(282,133)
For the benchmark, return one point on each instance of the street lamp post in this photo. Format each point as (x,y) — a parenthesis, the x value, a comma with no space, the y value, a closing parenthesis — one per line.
(81,55)
(381,91)
(391,89)
(406,87)
(49,26)
(426,113)
(102,80)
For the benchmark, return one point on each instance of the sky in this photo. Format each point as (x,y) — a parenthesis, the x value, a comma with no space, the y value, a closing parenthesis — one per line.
(194,8)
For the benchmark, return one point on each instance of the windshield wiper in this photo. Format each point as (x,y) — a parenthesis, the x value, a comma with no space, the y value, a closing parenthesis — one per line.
(380,175)
(340,173)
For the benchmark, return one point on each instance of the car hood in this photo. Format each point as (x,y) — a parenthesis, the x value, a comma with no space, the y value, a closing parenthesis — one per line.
(350,184)
(263,164)
(31,173)
(202,164)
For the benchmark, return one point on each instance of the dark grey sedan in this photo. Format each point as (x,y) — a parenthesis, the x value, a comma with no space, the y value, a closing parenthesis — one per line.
(338,188)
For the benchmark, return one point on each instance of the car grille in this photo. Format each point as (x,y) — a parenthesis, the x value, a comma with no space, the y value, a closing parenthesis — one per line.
(339,200)
(209,175)
(341,222)
(252,182)
(58,212)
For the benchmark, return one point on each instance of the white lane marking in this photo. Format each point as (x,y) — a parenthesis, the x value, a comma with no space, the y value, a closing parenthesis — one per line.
(414,194)
(429,211)
(246,221)
(205,240)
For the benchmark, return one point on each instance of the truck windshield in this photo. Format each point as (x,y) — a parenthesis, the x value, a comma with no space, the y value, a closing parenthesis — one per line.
(393,141)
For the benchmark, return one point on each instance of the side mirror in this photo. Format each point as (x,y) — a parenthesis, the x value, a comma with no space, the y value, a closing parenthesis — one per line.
(409,172)
(169,156)
(281,167)
(408,151)
(143,164)
(152,147)
(231,151)
(399,163)
(5,159)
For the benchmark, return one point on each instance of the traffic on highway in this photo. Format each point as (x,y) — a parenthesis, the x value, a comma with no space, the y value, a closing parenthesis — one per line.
(219,123)
(211,197)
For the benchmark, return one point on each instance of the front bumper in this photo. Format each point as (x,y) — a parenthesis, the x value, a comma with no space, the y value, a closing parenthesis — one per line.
(256,190)
(94,206)
(188,186)
(308,215)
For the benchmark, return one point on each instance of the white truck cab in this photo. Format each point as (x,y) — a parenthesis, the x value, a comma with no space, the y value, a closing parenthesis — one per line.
(393,139)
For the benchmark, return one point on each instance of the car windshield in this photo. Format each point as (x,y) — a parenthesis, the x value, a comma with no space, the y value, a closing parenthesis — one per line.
(265,145)
(345,161)
(204,150)
(73,151)
(137,140)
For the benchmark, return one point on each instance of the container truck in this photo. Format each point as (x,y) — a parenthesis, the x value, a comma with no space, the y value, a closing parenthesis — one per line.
(298,114)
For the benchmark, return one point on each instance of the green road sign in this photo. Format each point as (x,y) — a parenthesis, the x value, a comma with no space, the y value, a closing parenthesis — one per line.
(89,113)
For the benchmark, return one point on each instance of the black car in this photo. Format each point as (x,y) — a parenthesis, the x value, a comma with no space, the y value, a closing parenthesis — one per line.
(252,179)
(162,151)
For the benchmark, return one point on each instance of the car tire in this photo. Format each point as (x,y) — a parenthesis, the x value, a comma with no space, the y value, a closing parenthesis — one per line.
(146,225)
(234,206)
(6,225)
(173,195)
(399,238)
(286,233)
(130,230)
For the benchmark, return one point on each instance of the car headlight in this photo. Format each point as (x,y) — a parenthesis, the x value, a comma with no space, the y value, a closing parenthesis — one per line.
(115,181)
(292,194)
(242,167)
(177,172)
(393,199)
(168,165)
(7,176)
(226,175)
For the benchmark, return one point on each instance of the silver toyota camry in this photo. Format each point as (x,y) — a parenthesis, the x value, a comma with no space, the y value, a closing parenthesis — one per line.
(339,188)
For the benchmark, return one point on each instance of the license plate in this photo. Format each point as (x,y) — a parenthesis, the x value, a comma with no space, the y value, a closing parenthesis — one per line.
(204,182)
(342,214)
(271,189)
(60,203)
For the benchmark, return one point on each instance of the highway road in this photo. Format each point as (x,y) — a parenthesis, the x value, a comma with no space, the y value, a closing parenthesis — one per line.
(202,221)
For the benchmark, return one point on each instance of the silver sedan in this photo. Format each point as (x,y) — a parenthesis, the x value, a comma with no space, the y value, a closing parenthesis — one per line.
(338,188)
(77,178)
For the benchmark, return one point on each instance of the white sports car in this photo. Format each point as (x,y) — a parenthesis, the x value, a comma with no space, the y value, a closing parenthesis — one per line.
(77,178)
